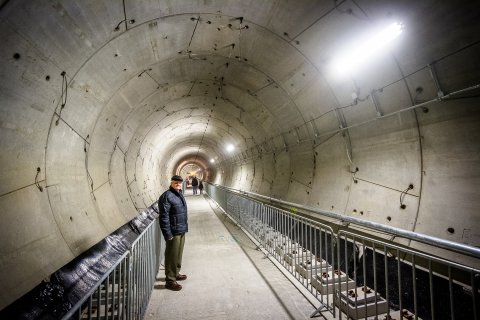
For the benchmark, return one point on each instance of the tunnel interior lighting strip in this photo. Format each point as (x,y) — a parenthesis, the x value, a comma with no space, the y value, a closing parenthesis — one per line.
(364,49)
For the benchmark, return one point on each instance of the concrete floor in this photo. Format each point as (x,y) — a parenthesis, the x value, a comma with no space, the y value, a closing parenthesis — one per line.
(228,278)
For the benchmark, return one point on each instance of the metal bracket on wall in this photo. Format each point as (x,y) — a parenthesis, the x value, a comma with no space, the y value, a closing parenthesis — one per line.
(376,104)
(434,75)
(314,127)
(344,130)
(36,180)
(285,145)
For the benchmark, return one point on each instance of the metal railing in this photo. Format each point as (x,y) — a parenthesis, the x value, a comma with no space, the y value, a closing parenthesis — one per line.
(125,289)
(356,276)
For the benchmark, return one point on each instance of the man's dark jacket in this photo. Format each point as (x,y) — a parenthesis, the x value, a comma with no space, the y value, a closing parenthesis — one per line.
(173,213)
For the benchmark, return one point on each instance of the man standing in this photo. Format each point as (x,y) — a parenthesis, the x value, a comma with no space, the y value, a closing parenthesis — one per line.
(194,185)
(174,224)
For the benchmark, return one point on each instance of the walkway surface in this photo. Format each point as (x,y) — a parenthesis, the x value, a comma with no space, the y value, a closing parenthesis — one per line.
(228,278)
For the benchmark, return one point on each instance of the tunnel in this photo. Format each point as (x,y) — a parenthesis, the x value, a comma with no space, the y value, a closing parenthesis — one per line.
(101,102)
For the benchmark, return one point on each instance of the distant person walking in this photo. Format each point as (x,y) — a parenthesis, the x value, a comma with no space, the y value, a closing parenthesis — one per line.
(200,187)
(194,185)
(174,224)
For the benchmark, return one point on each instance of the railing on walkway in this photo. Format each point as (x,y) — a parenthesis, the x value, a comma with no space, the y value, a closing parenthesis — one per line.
(355,276)
(124,291)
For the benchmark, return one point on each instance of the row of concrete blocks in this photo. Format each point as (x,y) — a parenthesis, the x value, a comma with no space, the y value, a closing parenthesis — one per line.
(355,302)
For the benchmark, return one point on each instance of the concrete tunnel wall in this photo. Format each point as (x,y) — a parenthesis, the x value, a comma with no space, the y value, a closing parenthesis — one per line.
(107,116)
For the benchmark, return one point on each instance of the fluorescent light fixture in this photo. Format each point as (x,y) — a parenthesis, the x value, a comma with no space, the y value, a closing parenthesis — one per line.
(366,48)
(212,160)
(230,147)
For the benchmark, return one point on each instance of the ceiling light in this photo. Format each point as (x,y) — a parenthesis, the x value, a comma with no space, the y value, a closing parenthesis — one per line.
(212,160)
(367,47)
(230,147)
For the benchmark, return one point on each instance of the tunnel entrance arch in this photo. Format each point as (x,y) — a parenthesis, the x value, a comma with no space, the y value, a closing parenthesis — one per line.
(190,170)
(191,166)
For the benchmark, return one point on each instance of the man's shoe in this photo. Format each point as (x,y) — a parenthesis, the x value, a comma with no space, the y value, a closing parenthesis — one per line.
(181,277)
(173,286)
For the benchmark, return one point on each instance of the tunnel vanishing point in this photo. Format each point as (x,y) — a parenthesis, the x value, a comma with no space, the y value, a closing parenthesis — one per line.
(102,101)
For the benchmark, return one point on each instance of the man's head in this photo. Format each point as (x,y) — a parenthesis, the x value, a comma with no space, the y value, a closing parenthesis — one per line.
(176,183)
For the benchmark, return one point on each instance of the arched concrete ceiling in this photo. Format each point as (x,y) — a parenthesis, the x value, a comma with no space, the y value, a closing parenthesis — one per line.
(102,101)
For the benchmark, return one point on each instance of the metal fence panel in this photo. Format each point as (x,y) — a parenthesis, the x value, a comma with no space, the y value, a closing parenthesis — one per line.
(124,291)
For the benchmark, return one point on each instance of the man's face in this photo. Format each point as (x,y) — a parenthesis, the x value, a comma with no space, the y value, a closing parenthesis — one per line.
(177,185)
